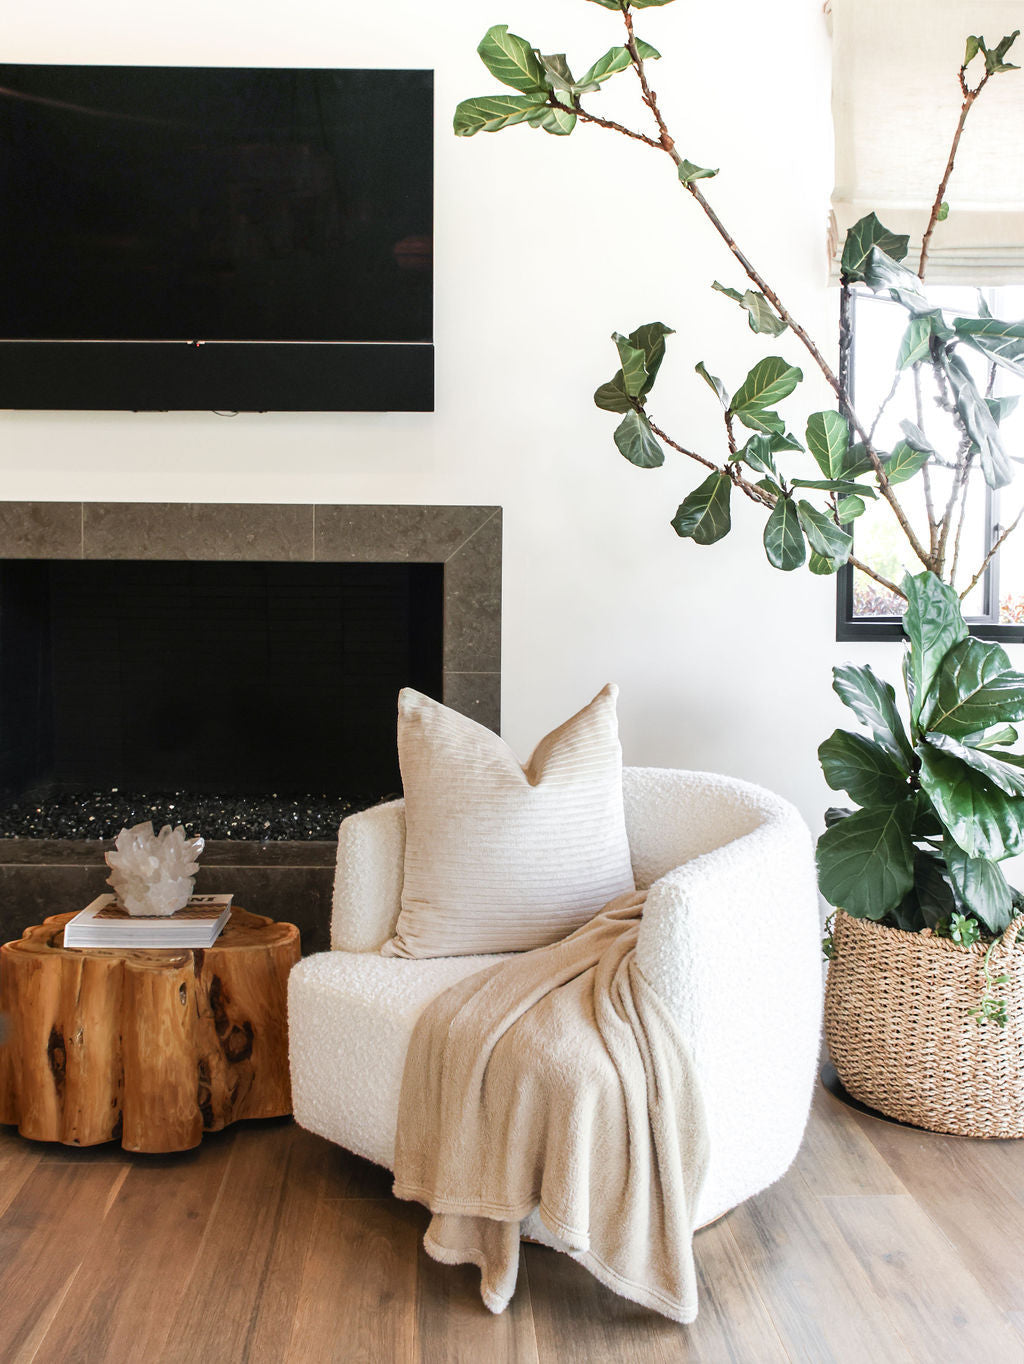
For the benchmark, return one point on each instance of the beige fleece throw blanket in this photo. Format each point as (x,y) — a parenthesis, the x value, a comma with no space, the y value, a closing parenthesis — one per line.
(558,1079)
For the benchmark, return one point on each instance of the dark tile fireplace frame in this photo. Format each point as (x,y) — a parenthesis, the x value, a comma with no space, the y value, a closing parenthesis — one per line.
(287,880)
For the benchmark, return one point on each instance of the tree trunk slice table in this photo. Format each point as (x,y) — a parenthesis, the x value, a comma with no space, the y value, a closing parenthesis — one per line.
(150,1048)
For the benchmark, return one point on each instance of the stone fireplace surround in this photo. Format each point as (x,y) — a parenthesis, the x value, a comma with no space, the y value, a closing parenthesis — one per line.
(287,880)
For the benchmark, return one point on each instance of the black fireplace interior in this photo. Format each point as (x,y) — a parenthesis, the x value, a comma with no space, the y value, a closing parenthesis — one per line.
(247,700)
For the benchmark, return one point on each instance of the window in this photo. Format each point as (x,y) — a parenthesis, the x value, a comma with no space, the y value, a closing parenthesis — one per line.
(995,605)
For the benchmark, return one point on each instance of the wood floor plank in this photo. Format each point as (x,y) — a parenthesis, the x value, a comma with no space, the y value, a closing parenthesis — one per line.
(456,1328)
(313,1166)
(939,1309)
(816,1291)
(579,1321)
(974,1190)
(124,1301)
(18,1158)
(222,1309)
(357,1292)
(47,1231)
(838,1156)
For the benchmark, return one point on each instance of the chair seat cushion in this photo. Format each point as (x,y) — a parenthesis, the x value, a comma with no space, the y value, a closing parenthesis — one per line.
(350,1020)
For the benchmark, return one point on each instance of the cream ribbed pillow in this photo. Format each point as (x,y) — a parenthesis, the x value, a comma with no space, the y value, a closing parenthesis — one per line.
(499,858)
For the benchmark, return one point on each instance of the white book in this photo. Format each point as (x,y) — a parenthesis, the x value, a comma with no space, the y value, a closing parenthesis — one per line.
(104,923)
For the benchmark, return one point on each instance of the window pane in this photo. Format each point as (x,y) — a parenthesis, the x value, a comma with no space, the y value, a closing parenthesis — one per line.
(878,327)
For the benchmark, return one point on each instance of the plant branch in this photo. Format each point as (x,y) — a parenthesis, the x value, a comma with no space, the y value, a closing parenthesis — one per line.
(969,97)
(666,143)
(992,553)
(883,582)
(959,532)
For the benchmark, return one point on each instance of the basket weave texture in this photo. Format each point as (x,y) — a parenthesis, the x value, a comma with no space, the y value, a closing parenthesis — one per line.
(899,1031)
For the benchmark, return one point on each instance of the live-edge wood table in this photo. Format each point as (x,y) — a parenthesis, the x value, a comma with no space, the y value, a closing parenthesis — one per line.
(150,1048)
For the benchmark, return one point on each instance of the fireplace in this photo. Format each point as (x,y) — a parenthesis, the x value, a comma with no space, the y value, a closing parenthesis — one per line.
(232,667)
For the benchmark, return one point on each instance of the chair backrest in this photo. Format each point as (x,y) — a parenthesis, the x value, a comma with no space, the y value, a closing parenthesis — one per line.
(671,817)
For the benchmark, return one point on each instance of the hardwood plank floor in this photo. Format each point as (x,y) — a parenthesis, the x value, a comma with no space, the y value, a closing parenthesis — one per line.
(268,1245)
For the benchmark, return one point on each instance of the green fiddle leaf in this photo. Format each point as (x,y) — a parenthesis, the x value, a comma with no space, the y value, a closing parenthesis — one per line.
(609,4)
(556,70)
(771,380)
(769,485)
(611,397)
(756,420)
(916,343)
(874,704)
(835,485)
(822,566)
(784,440)
(634,365)
(1007,776)
(971,50)
(688,172)
(997,738)
(850,507)
(616,59)
(758,454)
(943,212)
(828,439)
(904,462)
(932,892)
(994,56)
(858,461)
(916,438)
(715,384)
(823,535)
(559,122)
(980,424)
(882,272)
(862,768)
(637,442)
(976,689)
(1002,407)
(650,338)
(981,818)
(760,314)
(648,4)
(491,113)
(933,623)
(866,862)
(704,516)
(1001,342)
(980,886)
(512,60)
(861,240)
(783,539)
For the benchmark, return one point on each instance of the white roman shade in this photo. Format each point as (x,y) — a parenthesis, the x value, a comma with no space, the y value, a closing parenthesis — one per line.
(896,101)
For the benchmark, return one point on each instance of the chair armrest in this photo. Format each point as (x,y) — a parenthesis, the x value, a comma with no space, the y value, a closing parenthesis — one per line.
(730,940)
(368,878)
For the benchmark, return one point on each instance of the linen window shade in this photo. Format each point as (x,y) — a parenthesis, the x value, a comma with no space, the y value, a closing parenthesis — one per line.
(895,104)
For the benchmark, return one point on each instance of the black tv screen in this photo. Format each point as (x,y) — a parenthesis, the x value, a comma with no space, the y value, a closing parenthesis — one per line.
(213,237)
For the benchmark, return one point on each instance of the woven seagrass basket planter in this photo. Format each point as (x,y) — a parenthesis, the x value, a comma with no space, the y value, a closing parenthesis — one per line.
(900,1034)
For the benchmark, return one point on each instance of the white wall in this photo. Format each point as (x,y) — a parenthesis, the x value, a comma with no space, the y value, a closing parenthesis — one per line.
(544,246)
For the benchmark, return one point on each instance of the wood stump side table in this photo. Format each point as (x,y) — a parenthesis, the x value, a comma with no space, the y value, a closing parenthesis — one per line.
(150,1048)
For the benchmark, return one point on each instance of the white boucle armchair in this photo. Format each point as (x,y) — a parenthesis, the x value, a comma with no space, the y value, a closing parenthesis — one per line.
(730,938)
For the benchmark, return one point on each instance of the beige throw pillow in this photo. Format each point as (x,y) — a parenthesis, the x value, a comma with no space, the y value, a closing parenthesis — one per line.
(501,858)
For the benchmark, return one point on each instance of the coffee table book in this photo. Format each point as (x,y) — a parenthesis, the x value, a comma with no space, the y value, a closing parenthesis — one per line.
(105,924)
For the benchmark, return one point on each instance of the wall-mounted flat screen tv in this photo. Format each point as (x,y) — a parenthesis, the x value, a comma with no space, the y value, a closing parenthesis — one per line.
(214,238)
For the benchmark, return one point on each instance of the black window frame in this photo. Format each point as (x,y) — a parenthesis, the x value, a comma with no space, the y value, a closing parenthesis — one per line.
(877,628)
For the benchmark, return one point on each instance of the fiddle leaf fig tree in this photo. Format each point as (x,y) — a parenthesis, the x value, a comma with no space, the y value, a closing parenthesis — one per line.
(940,793)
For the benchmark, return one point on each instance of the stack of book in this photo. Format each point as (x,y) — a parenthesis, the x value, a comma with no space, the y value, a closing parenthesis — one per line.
(105,924)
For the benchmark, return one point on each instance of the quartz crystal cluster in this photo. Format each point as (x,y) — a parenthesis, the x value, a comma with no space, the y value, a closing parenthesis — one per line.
(153,874)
